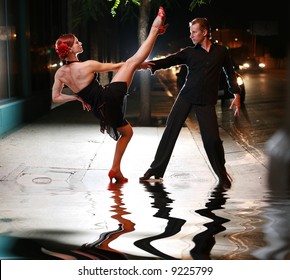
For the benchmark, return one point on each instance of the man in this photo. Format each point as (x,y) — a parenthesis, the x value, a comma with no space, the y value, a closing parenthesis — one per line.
(205,61)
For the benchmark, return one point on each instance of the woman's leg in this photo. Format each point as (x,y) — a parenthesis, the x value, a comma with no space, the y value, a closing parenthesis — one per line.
(121,145)
(126,72)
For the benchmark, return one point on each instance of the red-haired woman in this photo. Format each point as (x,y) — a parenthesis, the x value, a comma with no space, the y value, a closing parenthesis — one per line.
(107,102)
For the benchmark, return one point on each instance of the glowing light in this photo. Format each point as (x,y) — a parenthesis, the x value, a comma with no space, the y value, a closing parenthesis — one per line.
(245,66)
(239,81)
(52,65)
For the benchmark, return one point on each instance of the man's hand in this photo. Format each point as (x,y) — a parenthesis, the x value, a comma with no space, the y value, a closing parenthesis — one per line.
(236,105)
(145,65)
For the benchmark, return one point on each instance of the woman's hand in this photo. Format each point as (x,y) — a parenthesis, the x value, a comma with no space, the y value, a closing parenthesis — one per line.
(86,106)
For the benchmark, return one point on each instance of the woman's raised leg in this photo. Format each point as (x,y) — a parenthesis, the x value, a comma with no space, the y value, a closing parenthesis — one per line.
(126,72)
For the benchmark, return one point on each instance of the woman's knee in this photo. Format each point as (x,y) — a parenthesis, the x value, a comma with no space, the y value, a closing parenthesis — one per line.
(130,132)
(126,131)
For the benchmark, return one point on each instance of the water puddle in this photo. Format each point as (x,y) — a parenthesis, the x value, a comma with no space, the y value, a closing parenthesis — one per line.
(145,221)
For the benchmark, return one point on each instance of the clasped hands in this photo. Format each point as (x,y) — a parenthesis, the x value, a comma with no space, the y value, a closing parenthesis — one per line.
(145,65)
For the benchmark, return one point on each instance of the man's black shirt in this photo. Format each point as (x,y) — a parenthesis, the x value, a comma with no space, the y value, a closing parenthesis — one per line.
(204,70)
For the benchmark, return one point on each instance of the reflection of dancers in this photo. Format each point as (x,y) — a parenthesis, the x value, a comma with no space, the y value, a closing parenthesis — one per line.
(205,240)
(161,202)
(44,249)
(97,250)
(101,246)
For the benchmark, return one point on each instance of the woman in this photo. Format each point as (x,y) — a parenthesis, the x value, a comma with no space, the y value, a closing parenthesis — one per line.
(108,103)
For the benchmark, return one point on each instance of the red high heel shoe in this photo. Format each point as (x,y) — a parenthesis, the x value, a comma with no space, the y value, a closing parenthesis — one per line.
(117,176)
(161,14)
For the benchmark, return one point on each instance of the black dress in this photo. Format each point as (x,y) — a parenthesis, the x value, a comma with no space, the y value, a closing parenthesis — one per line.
(108,104)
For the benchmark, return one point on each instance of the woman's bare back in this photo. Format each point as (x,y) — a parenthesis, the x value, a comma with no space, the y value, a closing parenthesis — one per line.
(76,75)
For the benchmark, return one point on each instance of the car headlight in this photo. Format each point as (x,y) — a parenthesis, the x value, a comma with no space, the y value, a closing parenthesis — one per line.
(262,65)
(246,66)
(240,81)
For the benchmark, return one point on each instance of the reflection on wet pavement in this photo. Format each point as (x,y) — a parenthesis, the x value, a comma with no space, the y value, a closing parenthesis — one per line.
(145,221)
(161,202)
(277,227)
(205,240)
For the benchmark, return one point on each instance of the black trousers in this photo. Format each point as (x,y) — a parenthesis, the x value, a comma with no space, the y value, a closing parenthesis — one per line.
(207,120)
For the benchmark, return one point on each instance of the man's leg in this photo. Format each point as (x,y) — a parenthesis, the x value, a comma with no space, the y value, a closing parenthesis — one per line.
(207,119)
(175,121)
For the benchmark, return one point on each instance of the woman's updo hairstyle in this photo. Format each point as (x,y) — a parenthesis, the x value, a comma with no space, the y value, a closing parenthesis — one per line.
(63,45)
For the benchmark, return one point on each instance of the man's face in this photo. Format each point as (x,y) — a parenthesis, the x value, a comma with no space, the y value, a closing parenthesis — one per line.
(196,35)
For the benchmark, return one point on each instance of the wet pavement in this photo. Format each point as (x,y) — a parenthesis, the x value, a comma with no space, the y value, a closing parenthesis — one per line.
(56,200)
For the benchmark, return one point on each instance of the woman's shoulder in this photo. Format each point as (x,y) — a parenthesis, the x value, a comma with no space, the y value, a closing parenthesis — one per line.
(60,71)
(90,65)
(90,62)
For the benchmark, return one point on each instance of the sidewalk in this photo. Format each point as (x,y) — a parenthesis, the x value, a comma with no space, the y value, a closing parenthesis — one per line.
(66,145)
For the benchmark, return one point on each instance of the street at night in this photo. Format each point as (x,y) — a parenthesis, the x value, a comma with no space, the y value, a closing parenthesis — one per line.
(64,194)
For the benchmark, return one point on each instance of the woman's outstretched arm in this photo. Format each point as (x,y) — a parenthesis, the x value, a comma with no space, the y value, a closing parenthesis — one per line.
(59,96)
(100,67)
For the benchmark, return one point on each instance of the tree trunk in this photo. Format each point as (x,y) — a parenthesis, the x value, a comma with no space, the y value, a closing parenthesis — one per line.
(145,88)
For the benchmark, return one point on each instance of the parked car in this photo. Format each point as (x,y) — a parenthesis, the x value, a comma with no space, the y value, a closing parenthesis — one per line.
(224,91)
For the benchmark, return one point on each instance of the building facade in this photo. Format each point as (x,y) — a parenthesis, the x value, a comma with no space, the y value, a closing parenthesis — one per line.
(28,29)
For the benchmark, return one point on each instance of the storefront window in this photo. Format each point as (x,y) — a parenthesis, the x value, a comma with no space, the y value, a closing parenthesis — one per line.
(8,38)
(46,22)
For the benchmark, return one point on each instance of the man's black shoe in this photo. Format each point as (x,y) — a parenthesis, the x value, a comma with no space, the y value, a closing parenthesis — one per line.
(225,182)
(147,177)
